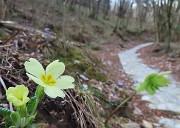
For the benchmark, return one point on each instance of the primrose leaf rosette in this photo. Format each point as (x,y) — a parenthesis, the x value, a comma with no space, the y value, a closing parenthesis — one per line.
(50,78)
(17,95)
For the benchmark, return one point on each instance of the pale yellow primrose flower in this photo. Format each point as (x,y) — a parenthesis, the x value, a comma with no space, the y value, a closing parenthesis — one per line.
(17,95)
(50,78)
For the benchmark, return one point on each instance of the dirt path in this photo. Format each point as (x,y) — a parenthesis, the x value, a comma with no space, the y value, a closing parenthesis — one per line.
(109,56)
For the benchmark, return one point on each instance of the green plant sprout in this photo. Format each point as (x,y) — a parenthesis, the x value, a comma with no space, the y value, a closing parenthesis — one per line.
(151,84)
(50,81)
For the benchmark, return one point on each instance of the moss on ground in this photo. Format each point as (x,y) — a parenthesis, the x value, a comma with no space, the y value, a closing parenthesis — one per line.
(76,61)
(3,34)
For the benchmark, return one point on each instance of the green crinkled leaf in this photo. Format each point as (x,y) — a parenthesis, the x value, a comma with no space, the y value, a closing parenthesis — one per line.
(31,104)
(5,111)
(150,77)
(152,83)
(150,90)
(15,118)
(29,120)
(160,81)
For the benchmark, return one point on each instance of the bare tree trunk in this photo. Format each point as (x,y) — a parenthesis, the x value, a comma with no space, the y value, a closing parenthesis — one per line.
(169,25)
(98,8)
(157,24)
(117,22)
(93,14)
(2,9)
(106,8)
(95,9)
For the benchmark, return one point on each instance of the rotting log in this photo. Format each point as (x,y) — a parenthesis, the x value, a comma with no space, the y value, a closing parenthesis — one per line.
(15,26)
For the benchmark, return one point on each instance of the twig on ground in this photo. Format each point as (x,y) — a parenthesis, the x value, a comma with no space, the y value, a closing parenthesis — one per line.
(11,37)
(5,88)
(117,108)
(8,45)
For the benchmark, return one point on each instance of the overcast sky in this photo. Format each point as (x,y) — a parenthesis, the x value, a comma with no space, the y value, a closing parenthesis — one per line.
(113,1)
(117,1)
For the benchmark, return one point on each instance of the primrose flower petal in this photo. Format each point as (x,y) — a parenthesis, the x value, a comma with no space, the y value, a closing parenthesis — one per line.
(49,79)
(17,95)
(34,67)
(54,92)
(36,80)
(14,100)
(65,82)
(55,68)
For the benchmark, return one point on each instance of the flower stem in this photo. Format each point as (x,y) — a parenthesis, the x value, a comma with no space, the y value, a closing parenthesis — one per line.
(39,95)
(22,110)
(117,108)
(35,107)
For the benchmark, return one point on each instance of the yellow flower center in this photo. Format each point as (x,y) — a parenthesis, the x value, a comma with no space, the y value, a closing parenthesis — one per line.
(48,80)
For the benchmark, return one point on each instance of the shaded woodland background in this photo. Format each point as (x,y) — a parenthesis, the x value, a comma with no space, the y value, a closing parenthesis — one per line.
(87,35)
(159,16)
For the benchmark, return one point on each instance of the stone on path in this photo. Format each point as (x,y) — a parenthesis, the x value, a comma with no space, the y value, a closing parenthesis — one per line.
(131,125)
(147,124)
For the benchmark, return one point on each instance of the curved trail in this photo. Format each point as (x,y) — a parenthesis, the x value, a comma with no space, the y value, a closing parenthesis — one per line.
(167,98)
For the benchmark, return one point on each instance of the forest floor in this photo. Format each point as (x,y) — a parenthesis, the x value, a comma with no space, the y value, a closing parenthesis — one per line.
(94,32)
(139,112)
(154,58)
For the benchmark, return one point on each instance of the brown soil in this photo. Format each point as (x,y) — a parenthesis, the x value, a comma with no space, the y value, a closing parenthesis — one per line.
(108,55)
(155,58)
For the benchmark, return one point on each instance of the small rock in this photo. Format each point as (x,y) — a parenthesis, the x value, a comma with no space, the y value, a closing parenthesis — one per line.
(156,124)
(77,62)
(120,83)
(137,111)
(83,77)
(178,67)
(85,86)
(147,124)
(131,125)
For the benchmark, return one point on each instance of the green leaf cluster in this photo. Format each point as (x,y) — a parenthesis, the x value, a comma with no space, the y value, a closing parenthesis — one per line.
(15,119)
(5,111)
(152,83)
(31,104)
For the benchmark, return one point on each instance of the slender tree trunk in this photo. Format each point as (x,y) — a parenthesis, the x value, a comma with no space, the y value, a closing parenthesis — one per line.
(93,14)
(156,21)
(98,8)
(117,22)
(2,9)
(169,25)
